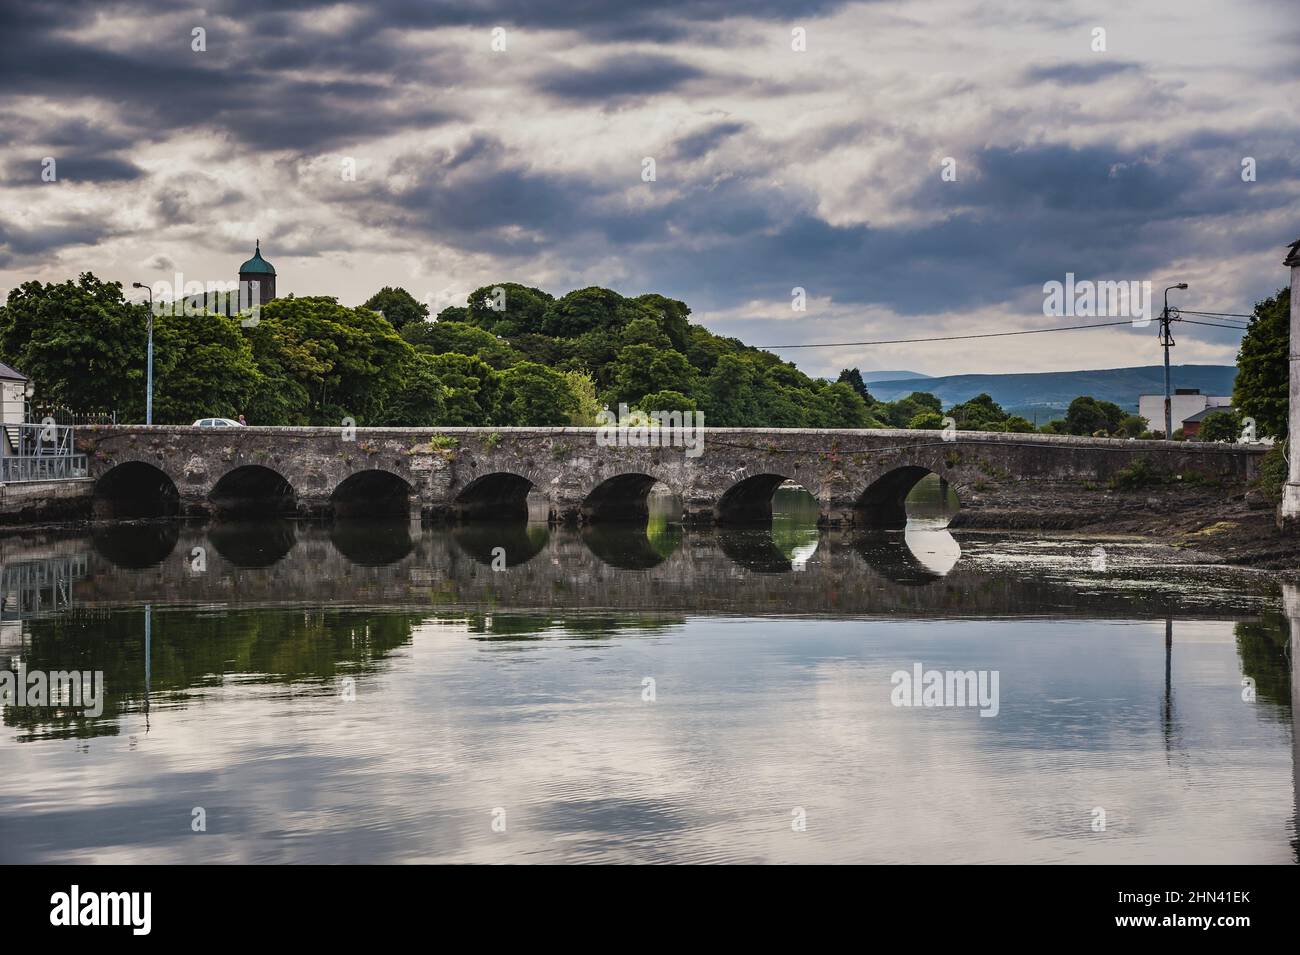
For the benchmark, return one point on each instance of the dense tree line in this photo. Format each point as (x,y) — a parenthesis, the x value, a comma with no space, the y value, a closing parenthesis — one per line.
(512,355)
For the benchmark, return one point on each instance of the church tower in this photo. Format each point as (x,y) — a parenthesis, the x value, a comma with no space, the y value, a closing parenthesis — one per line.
(258,270)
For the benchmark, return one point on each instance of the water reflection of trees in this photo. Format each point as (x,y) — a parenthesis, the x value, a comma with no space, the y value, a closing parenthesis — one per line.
(633,548)
(515,626)
(1263,647)
(754,549)
(199,649)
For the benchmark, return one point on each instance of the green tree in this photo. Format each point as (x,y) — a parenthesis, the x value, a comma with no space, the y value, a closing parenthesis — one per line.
(533,394)
(473,394)
(642,369)
(1263,374)
(1222,425)
(418,400)
(703,349)
(838,405)
(586,405)
(398,306)
(666,401)
(645,331)
(672,316)
(927,421)
(322,362)
(980,413)
(729,392)
(508,309)
(440,337)
(853,378)
(1086,416)
(81,343)
(898,413)
(591,309)
(203,367)
(1114,415)
(454,313)
(1132,426)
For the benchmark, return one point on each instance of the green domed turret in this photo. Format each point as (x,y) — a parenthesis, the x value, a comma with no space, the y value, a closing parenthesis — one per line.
(260,273)
(257,265)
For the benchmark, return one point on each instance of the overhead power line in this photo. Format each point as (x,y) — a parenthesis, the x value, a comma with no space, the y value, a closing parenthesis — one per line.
(1188,311)
(1025,331)
(951,338)
(1192,321)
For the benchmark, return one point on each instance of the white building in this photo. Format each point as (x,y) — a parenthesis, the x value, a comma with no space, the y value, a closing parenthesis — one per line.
(1184,403)
(13,406)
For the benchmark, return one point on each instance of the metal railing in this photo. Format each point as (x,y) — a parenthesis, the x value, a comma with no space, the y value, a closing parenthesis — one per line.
(40,452)
(42,467)
(34,587)
(69,416)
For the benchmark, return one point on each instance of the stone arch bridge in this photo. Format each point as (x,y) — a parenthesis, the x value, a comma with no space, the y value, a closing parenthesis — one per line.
(857,477)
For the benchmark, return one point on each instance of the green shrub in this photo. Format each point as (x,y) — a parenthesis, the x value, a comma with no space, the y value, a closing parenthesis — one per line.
(1272,474)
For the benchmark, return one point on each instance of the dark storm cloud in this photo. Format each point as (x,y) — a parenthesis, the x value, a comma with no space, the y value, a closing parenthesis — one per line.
(53,236)
(72,169)
(652,21)
(1063,179)
(1079,74)
(1032,213)
(702,142)
(1024,210)
(247,91)
(633,74)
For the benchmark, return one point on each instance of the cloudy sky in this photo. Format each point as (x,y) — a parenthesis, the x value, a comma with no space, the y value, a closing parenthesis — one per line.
(774,167)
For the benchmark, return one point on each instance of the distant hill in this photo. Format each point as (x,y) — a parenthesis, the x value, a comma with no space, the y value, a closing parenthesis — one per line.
(870,376)
(1046,394)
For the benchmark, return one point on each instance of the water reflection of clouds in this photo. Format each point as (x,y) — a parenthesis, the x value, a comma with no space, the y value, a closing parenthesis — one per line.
(753,717)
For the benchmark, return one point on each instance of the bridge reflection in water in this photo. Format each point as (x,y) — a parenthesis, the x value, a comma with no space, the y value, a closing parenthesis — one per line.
(211,629)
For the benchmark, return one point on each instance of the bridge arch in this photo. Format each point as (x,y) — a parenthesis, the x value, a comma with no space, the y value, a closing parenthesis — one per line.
(372,493)
(372,543)
(749,501)
(884,501)
(253,490)
(136,546)
(253,544)
(136,489)
(496,496)
(621,497)
(513,545)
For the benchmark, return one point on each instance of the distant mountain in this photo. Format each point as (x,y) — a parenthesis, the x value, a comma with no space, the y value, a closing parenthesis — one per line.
(870,376)
(1046,394)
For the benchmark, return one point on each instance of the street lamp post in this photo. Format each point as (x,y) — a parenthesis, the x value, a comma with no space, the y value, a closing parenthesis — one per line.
(1167,340)
(148,394)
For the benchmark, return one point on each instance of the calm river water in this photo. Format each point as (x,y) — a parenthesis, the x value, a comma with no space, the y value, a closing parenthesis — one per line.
(283,692)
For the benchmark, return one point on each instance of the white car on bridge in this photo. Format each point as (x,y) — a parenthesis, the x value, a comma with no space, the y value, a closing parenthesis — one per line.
(217,423)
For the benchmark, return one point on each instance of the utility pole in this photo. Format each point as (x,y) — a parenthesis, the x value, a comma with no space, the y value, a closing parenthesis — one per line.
(148,395)
(1167,342)
(1289,515)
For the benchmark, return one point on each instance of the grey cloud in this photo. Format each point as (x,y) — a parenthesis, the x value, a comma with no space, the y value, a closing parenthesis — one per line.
(702,142)
(618,76)
(1080,73)
(72,169)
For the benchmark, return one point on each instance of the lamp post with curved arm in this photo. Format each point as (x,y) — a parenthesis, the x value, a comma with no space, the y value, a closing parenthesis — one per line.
(148,394)
(1167,340)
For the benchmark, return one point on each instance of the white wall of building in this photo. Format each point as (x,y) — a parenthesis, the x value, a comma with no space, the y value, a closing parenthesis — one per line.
(1152,407)
(11,402)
